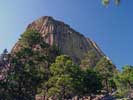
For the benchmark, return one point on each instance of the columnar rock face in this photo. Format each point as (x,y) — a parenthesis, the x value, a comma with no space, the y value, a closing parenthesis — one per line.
(64,37)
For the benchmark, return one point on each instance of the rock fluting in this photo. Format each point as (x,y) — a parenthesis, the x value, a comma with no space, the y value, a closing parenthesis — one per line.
(69,41)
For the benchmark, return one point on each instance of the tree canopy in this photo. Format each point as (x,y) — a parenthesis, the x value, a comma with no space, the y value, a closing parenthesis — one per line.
(107,2)
(106,70)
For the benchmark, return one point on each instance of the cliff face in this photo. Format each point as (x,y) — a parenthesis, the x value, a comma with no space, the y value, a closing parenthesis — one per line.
(64,37)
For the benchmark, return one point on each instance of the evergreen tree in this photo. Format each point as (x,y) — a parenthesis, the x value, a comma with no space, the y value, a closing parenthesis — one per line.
(90,60)
(68,79)
(106,69)
(127,74)
(91,83)
(29,67)
(124,82)
(61,82)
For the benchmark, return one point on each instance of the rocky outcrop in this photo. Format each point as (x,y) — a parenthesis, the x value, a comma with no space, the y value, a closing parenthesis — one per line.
(64,37)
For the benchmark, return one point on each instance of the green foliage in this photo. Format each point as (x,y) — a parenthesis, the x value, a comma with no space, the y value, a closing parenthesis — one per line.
(29,68)
(121,93)
(62,76)
(91,83)
(127,75)
(107,2)
(68,79)
(33,72)
(90,60)
(106,69)
(63,65)
(124,81)
(27,74)
(30,38)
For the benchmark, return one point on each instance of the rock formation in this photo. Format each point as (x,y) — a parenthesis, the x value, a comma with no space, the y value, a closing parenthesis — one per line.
(68,41)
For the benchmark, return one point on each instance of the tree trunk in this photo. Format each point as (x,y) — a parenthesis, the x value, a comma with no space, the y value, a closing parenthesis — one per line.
(107,87)
(130,85)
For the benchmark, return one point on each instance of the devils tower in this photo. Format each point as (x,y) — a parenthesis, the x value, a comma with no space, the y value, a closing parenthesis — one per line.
(69,41)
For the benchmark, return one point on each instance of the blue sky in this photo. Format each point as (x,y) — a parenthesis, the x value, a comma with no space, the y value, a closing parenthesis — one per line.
(111,27)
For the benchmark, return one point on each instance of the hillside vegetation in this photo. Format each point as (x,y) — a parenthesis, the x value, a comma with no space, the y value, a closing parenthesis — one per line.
(39,69)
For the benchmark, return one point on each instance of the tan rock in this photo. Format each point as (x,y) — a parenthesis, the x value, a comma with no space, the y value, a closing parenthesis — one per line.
(64,37)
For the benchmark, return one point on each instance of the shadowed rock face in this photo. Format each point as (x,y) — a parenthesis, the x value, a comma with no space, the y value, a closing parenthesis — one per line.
(64,37)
